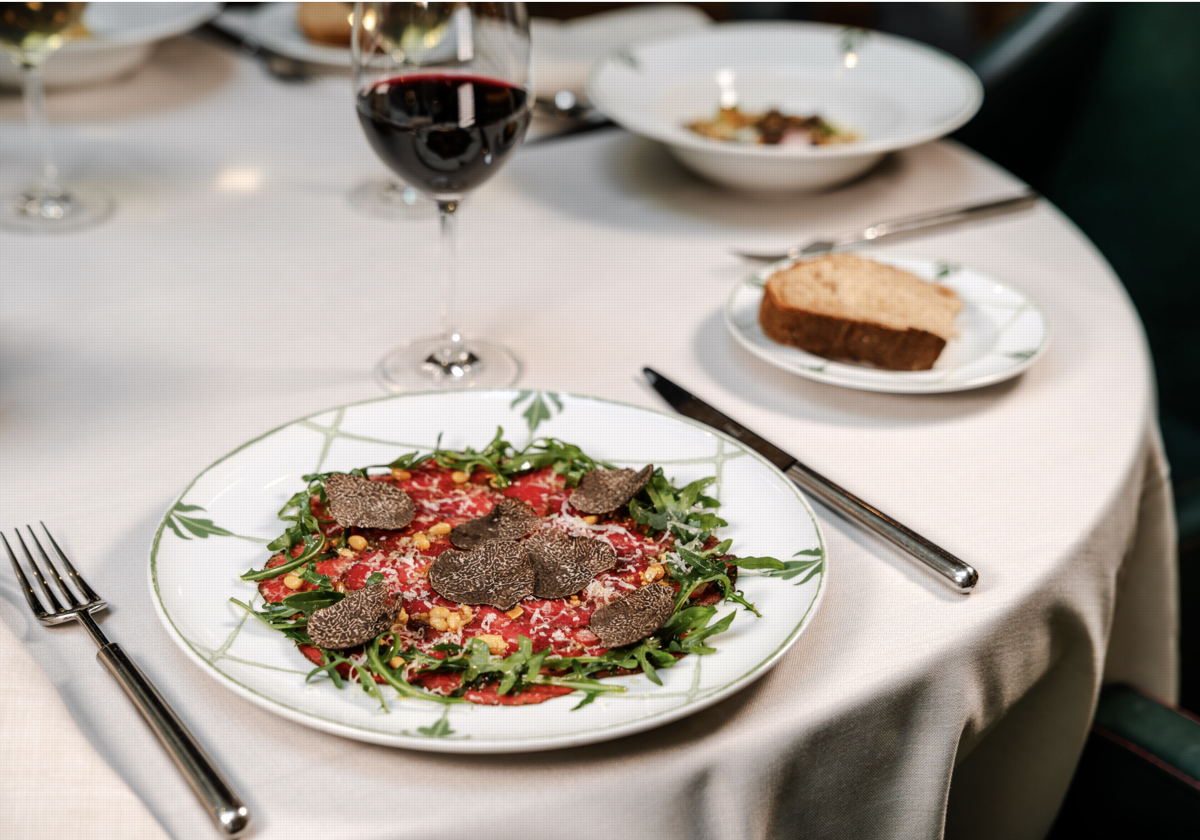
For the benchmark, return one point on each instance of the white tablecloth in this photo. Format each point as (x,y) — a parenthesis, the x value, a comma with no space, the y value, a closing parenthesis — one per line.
(237,289)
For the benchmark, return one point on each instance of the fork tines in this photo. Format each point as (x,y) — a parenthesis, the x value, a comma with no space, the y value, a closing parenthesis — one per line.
(91,602)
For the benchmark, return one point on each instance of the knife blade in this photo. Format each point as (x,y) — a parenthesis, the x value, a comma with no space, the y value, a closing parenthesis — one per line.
(958,575)
(899,227)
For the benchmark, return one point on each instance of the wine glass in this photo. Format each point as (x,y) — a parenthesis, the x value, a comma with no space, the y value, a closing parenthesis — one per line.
(443,94)
(387,198)
(29,33)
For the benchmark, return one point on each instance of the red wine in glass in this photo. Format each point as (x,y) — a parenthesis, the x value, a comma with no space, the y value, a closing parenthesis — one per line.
(443,94)
(444,134)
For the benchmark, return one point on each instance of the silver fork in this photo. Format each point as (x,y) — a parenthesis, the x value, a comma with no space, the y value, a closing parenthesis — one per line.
(218,797)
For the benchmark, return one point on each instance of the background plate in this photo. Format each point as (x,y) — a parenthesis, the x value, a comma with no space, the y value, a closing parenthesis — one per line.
(218,528)
(1001,333)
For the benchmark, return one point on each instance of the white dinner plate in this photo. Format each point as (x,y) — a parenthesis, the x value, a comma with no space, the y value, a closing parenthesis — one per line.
(119,38)
(218,527)
(1001,332)
(276,29)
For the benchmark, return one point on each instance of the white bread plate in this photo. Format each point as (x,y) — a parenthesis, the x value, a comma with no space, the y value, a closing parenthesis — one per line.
(893,92)
(120,37)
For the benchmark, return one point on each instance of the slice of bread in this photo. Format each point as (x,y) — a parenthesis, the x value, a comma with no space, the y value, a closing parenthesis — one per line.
(841,306)
(326,23)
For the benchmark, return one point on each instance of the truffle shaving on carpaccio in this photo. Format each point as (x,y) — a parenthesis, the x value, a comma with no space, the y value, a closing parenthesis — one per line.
(572,572)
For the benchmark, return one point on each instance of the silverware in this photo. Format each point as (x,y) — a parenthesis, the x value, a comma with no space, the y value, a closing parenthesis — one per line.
(960,576)
(281,67)
(216,794)
(896,227)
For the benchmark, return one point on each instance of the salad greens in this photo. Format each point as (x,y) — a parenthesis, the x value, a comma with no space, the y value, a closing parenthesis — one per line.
(695,560)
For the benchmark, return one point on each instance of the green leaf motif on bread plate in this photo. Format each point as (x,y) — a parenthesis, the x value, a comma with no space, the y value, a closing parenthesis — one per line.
(1022,355)
(626,57)
(944,270)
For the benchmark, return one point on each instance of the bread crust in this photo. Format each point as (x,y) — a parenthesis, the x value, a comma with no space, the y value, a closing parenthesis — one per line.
(843,338)
(326,23)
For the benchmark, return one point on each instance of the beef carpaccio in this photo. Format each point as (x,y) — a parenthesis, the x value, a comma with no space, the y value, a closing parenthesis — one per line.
(498,652)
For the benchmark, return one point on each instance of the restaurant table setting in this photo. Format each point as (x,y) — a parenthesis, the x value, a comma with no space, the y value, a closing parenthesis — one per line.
(168,374)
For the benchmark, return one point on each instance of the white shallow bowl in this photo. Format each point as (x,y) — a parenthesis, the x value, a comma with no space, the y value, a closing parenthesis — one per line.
(893,92)
(120,38)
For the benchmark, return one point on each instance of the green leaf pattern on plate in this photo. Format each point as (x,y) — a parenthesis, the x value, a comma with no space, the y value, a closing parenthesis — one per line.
(179,521)
(535,407)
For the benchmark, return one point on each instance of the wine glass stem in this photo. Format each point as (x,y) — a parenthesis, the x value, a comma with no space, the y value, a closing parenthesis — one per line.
(449,229)
(35,112)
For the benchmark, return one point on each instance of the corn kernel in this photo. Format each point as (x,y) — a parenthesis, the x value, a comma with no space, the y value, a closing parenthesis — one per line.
(515,613)
(440,529)
(292,582)
(401,475)
(421,541)
(357,543)
(459,477)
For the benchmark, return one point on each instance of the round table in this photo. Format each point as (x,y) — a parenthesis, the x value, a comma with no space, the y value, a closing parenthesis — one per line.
(236,288)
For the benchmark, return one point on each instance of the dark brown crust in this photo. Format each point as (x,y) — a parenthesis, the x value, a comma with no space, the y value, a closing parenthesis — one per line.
(842,338)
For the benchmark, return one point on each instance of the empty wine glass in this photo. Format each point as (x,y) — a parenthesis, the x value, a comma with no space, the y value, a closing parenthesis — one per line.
(29,33)
(443,94)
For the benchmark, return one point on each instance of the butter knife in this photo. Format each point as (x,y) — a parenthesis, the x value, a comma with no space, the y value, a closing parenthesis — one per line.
(896,227)
(959,575)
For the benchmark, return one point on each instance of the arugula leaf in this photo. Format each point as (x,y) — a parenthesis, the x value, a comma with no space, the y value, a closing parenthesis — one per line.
(681,511)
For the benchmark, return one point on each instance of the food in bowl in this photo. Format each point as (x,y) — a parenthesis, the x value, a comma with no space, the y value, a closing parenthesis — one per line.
(841,306)
(771,128)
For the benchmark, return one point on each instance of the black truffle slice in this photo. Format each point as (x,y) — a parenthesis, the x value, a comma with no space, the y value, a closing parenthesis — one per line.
(498,573)
(354,620)
(510,519)
(563,565)
(603,491)
(634,616)
(367,504)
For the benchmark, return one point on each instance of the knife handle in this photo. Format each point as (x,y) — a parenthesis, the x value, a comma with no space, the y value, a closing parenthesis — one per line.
(959,575)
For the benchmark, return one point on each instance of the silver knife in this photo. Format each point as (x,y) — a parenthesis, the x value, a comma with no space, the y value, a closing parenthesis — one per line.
(896,227)
(960,576)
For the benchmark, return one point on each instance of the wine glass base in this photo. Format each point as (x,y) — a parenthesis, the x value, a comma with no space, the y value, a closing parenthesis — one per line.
(386,199)
(420,365)
(71,209)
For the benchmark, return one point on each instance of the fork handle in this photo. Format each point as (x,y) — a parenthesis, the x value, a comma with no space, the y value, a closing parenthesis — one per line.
(216,794)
